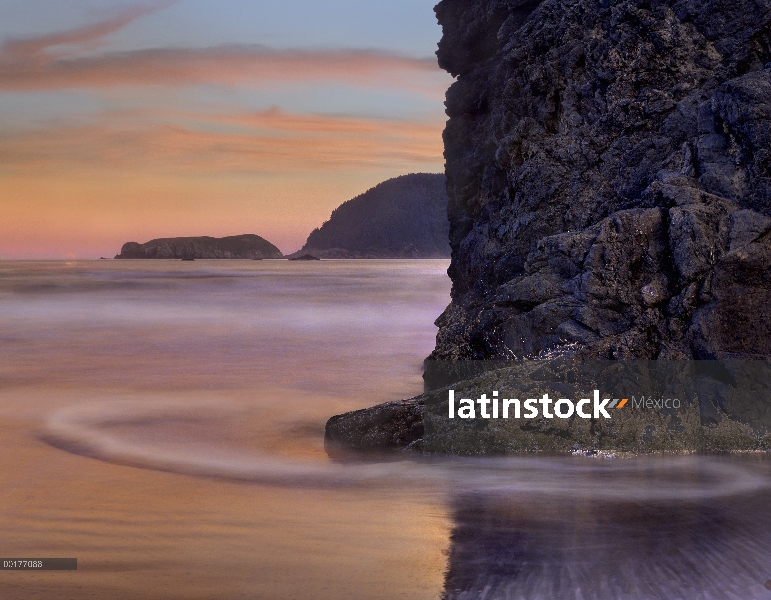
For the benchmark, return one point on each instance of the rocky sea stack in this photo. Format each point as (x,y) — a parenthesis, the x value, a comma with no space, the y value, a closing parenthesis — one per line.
(609,173)
(247,246)
(609,178)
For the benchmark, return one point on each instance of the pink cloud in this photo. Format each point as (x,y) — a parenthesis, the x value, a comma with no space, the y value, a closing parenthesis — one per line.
(49,62)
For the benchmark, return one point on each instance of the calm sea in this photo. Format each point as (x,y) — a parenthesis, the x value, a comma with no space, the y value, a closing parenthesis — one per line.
(163,423)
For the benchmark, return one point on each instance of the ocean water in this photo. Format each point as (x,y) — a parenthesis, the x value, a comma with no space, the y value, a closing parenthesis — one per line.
(162,421)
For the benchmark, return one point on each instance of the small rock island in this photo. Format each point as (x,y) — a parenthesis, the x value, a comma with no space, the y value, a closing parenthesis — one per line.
(304,257)
(247,246)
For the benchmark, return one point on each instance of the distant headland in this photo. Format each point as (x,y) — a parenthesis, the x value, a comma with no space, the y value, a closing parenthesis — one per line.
(247,246)
(403,217)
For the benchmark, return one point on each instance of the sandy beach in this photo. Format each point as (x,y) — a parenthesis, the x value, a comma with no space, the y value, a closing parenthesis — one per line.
(145,533)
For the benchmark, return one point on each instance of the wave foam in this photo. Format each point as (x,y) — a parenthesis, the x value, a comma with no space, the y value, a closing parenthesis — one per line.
(85,430)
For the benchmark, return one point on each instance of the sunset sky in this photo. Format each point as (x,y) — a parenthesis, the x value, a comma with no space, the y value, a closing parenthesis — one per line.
(126,122)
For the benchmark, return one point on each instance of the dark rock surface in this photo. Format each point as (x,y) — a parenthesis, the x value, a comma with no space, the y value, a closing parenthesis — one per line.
(404,217)
(608,169)
(609,177)
(304,257)
(383,427)
(247,246)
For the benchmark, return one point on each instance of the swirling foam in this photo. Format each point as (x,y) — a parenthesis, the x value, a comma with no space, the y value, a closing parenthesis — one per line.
(85,430)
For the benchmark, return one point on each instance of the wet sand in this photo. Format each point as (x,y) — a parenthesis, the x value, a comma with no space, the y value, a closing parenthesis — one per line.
(139,533)
(94,336)
(163,423)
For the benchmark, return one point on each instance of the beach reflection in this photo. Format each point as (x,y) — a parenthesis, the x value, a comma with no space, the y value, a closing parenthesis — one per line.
(698,530)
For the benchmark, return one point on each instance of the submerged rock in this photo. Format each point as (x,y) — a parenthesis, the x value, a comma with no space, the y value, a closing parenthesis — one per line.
(660,406)
(304,257)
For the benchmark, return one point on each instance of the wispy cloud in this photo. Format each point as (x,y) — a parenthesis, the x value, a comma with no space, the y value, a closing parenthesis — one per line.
(139,162)
(37,50)
(58,61)
(272,141)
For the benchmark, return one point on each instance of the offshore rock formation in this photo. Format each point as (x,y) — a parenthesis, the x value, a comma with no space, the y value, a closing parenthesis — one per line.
(304,257)
(248,246)
(404,217)
(609,173)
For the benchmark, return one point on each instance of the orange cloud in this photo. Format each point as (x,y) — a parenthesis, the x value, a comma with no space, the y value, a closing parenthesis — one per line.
(50,62)
(272,141)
